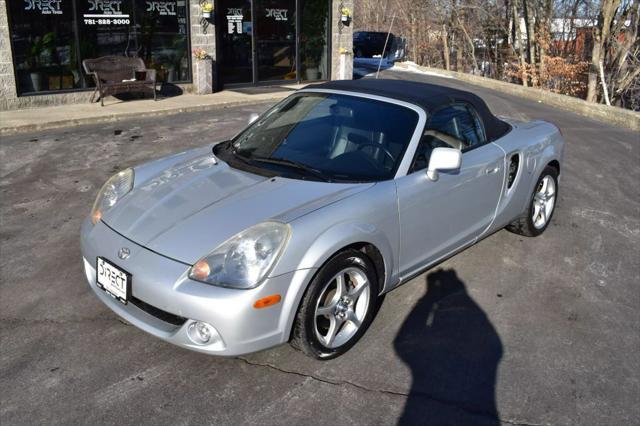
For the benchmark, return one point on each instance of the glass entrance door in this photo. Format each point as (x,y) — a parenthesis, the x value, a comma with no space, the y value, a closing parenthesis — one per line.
(236,61)
(280,40)
(275,39)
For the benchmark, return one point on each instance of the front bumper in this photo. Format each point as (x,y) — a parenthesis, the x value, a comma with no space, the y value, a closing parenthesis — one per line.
(163,283)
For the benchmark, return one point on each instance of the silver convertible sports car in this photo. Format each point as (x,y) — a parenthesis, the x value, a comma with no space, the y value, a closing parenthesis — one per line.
(292,230)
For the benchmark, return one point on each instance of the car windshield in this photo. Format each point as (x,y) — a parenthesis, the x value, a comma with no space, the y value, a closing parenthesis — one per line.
(322,136)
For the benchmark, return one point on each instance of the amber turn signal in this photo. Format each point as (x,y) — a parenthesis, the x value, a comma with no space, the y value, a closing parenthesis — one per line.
(200,270)
(97,215)
(267,301)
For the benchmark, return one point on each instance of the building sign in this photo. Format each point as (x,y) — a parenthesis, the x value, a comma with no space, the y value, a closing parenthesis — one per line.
(182,16)
(164,8)
(46,7)
(110,7)
(106,12)
(234,20)
(277,14)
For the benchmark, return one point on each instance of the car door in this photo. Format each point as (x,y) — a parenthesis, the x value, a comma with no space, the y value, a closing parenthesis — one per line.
(437,217)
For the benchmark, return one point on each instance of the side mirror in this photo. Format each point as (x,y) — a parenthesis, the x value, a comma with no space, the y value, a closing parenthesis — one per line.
(253,117)
(443,159)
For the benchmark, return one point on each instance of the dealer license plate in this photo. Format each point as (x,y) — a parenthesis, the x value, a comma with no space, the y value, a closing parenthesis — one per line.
(113,280)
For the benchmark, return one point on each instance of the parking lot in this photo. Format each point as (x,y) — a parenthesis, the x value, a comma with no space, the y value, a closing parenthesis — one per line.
(513,330)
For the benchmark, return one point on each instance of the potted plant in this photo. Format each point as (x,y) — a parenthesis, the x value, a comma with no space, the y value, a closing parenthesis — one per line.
(200,54)
(174,58)
(314,46)
(313,41)
(202,72)
(344,71)
(39,46)
(345,15)
(311,70)
(207,8)
(86,49)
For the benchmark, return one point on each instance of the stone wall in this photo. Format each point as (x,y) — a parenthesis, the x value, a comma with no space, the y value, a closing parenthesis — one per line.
(342,37)
(203,35)
(7,82)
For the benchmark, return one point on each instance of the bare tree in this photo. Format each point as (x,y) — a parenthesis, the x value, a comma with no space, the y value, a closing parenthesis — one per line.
(518,31)
(601,33)
(544,32)
(529,19)
(623,67)
(544,43)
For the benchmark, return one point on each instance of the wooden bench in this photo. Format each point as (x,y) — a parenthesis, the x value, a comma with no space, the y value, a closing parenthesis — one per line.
(120,74)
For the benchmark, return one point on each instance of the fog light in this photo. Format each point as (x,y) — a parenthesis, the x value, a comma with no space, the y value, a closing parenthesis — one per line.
(202,333)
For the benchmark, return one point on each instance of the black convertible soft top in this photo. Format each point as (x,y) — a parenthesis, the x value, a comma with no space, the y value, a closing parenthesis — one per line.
(429,96)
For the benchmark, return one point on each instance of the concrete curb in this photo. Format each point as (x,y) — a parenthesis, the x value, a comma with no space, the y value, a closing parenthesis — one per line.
(608,114)
(122,116)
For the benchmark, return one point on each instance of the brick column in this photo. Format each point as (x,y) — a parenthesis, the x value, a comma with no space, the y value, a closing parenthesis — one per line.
(8,92)
(200,39)
(342,37)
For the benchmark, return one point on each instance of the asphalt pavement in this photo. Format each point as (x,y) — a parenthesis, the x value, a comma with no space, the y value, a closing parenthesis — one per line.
(513,330)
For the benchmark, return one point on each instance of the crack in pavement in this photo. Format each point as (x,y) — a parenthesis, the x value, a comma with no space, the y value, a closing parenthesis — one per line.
(424,395)
(5,322)
(517,423)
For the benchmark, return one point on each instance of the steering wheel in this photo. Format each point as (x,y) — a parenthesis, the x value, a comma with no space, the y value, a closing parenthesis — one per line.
(385,150)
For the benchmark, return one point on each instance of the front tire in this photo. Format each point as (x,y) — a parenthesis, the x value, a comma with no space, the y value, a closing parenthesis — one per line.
(541,206)
(338,306)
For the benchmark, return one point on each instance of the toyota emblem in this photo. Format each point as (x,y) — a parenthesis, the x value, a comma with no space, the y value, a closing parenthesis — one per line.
(124,253)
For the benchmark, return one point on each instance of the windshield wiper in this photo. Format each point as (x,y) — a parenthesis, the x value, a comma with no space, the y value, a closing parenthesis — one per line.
(294,165)
(244,159)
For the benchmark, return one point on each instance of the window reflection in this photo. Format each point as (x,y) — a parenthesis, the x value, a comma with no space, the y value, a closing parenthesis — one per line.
(162,38)
(236,62)
(276,39)
(43,45)
(50,40)
(313,39)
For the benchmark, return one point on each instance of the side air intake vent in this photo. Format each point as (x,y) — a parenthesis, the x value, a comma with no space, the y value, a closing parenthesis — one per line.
(514,163)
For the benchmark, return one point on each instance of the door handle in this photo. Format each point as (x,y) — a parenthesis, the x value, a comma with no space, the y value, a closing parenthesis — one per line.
(492,170)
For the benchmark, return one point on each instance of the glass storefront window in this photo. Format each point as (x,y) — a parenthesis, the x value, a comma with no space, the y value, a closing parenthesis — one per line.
(276,39)
(236,32)
(50,38)
(106,28)
(44,51)
(162,38)
(314,49)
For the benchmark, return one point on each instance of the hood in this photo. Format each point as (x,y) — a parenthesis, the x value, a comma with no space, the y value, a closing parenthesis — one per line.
(189,209)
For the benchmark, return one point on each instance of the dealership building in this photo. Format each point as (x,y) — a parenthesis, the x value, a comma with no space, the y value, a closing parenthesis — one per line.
(251,42)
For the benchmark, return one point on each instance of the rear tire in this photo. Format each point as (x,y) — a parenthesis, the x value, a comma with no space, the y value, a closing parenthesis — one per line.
(541,206)
(338,306)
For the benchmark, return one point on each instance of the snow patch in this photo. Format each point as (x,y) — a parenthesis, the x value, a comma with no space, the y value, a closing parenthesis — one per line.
(413,68)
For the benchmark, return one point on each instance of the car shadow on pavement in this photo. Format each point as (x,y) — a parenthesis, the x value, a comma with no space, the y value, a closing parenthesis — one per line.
(453,352)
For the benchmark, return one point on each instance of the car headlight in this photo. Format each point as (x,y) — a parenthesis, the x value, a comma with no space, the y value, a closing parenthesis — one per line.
(113,190)
(245,259)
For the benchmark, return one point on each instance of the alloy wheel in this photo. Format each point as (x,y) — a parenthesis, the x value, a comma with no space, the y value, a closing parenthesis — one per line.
(342,307)
(543,202)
